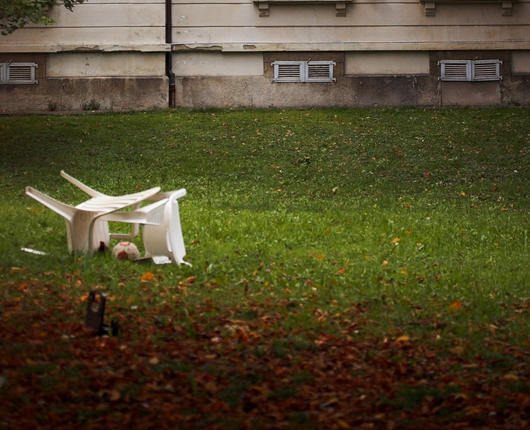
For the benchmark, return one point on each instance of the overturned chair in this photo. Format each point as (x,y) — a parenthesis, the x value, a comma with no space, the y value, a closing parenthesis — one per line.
(87,223)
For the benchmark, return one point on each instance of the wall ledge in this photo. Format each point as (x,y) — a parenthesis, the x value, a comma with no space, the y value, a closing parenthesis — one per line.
(56,48)
(354,46)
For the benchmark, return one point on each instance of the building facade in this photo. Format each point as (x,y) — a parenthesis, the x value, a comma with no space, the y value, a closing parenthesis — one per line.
(143,54)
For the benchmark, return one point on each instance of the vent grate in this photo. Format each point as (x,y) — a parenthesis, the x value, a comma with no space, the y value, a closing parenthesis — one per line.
(318,71)
(289,71)
(486,70)
(303,71)
(18,73)
(470,70)
(457,70)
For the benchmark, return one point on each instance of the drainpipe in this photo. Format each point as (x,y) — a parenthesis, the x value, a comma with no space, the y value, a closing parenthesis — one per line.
(169,66)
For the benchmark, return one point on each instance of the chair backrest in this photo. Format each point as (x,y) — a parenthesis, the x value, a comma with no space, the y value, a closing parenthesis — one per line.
(175,238)
(165,239)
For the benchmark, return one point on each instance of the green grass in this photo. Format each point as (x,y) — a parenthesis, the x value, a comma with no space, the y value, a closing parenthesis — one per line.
(371,223)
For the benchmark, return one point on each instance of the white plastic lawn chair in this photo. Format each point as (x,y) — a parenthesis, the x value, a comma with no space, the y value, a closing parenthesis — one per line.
(85,229)
(162,232)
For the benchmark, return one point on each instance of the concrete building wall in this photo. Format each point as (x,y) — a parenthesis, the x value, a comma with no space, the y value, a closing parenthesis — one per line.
(106,55)
(112,53)
(386,51)
(102,25)
(388,25)
(361,79)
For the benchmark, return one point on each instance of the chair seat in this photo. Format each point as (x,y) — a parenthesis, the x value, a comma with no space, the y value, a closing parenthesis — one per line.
(109,204)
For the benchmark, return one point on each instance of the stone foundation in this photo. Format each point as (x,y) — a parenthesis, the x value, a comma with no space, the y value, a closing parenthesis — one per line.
(358,88)
(373,79)
(78,94)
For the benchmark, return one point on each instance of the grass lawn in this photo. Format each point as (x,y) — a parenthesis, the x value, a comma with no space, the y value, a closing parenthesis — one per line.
(352,268)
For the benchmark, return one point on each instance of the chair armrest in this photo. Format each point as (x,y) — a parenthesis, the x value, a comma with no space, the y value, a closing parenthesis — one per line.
(79,184)
(168,194)
(66,211)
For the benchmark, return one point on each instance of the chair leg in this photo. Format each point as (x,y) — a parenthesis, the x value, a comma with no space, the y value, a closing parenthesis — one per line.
(99,235)
(85,233)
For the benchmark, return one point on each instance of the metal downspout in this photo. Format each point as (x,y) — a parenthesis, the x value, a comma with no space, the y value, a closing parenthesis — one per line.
(169,65)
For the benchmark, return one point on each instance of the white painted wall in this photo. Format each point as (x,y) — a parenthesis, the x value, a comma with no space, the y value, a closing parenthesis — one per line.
(235,26)
(217,64)
(105,64)
(521,62)
(388,25)
(97,25)
(386,63)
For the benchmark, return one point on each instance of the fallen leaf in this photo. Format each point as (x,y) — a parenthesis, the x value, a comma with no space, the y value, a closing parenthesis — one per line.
(510,377)
(343,424)
(455,306)
(148,276)
(114,395)
(457,350)
(403,338)
(188,281)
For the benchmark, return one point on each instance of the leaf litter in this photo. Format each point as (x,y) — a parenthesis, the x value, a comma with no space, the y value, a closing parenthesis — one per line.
(220,369)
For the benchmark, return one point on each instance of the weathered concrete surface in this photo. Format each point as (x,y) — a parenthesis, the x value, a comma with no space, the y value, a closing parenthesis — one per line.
(77,93)
(516,90)
(261,92)
(149,92)
(67,94)
(471,93)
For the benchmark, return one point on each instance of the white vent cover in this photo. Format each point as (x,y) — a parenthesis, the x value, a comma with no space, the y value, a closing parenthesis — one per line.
(486,70)
(18,73)
(288,71)
(303,71)
(320,71)
(470,70)
(455,70)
